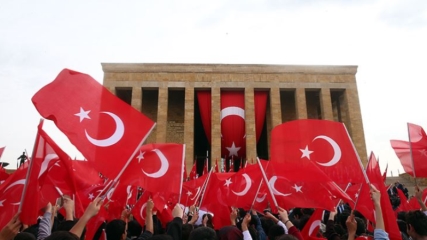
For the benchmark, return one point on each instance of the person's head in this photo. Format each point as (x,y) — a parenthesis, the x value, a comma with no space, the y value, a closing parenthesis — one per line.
(416,224)
(287,237)
(361,227)
(229,233)
(275,231)
(402,226)
(134,229)
(62,235)
(24,236)
(401,216)
(68,224)
(116,230)
(204,233)
(186,230)
(161,237)
(207,220)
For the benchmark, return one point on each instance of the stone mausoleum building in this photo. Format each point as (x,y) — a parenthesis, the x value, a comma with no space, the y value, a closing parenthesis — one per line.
(227,111)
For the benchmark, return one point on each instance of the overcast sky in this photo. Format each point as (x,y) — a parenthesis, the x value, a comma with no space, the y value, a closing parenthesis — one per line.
(387,39)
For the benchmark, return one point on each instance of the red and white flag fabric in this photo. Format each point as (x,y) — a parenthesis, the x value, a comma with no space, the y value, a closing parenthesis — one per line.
(192,190)
(361,193)
(241,188)
(3,175)
(106,130)
(418,146)
(217,166)
(10,194)
(138,211)
(157,168)
(233,131)
(1,151)
(374,174)
(193,172)
(325,143)
(312,227)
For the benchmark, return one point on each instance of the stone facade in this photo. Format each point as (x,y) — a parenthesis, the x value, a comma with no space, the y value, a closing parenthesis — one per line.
(295,92)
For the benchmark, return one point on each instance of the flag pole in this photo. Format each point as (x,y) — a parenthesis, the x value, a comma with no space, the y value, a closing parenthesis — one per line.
(266,181)
(30,166)
(412,156)
(182,177)
(358,157)
(204,189)
(345,190)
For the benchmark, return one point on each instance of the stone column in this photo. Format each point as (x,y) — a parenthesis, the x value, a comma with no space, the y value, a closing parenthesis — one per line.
(136,101)
(189,127)
(275,107)
(326,104)
(162,115)
(301,103)
(354,122)
(215,124)
(251,150)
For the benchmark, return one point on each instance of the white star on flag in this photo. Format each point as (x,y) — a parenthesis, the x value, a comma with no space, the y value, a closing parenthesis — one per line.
(165,207)
(228,182)
(1,203)
(423,152)
(189,193)
(233,150)
(297,188)
(91,196)
(140,156)
(83,114)
(306,153)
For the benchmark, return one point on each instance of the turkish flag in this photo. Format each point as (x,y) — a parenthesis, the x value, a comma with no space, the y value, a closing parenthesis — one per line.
(312,227)
(404,206)
(106,130)
(214,199)
(157,168)
(233,129)
(310,188)
(138,211)
(241,188)
(325,143)
(418,145)
(390,221)
(192,190)
(10,195)
(361,193)
(193,173)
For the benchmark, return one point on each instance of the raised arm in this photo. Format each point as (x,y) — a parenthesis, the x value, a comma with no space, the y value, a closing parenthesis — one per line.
(91,210)
(419,196)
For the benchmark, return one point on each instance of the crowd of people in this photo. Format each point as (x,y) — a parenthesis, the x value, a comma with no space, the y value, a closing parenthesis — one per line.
(343,223)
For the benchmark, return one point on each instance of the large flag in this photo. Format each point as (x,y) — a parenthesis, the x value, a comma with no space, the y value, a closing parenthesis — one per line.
(390,221)
(192,190)
(325,143)
(106,130)
(157,168)
(418,146)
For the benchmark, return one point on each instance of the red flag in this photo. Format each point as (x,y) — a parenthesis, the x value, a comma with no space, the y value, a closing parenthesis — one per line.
(404,206)
(1,151)
(10,194)
(193,173)
(216,166)
(241,188)
(138,211)
(418,145)
(311,228)
(192,190)
(106,130)
(3,175)
(390,221)
(157,168)
(385,173)
(365,206)
(184,172)
(325,143)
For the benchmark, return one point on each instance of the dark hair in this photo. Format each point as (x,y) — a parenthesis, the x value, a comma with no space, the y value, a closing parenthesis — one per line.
(402,226)
(68,224)
(287,237)
(115,229)
(161,237)
(266,224)
(134,229)
(361,227)
(24,236)
(203,233)
(186,231)
(275,231)
(209,222)
(62,235)
(401,216)
(418,221)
